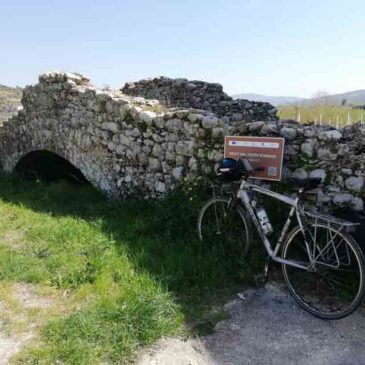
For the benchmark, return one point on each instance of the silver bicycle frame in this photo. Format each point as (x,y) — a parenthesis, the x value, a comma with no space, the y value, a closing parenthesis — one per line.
(294,211)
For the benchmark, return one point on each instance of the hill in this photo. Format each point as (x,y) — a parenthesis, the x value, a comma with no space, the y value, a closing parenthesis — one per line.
(9,101)
(273,100)
(350,97)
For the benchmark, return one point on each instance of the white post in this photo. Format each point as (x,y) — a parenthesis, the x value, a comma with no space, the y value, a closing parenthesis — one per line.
(320,119)
(348,118)
(315,120)
(298,118)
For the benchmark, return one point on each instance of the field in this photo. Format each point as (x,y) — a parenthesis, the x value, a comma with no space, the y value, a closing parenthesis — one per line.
(110,277)
(333,115)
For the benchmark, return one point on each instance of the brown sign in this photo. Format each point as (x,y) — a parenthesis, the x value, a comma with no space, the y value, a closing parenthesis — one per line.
(264,152)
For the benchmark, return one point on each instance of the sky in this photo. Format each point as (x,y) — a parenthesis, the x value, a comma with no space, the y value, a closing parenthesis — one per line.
(272,47)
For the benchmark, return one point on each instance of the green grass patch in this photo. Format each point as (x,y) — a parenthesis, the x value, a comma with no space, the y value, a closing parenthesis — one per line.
(133,270)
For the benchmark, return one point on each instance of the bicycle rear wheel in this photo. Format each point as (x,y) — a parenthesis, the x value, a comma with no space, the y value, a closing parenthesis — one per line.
(334,285)
(226,226)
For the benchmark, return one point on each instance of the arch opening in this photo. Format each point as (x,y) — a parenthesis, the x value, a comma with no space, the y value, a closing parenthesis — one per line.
(48,166)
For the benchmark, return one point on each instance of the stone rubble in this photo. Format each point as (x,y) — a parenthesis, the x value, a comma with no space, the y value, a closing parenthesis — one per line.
(135,144)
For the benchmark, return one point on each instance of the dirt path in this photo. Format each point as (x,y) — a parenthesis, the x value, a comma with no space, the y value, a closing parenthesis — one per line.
(9,346)
(268,328)
(21,311)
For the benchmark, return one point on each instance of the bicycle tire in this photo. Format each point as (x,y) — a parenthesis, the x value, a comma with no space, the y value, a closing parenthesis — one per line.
(360,292)
(239,213)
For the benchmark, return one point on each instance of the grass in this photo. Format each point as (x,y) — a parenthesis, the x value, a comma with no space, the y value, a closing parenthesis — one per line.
(328,114)
(128,272)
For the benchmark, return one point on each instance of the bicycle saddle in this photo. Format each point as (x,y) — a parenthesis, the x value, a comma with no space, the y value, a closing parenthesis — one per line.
(307,183)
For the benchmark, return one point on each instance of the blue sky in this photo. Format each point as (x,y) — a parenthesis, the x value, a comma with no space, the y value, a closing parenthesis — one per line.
(275,47)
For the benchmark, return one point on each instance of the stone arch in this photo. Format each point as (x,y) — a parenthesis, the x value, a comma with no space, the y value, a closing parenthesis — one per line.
(89,165)
(49,166)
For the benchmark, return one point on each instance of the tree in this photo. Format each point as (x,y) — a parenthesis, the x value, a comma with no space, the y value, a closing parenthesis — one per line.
(322,94)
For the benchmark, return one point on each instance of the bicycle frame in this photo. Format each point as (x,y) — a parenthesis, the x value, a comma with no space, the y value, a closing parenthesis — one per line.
(243,196)
(317,244)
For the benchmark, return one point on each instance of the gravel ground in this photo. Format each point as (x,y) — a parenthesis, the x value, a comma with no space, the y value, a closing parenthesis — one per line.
(268,328)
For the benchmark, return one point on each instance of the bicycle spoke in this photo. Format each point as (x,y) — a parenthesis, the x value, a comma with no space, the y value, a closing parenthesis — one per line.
(222,226)
(333,285)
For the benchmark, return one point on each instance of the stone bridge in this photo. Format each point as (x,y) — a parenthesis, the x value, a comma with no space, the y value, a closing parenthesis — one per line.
(122,144)
(147,137)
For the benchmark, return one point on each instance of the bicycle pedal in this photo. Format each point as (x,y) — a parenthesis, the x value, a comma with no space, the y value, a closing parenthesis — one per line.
(261,279)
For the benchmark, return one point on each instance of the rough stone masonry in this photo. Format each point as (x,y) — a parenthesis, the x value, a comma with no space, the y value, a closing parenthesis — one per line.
(150,136)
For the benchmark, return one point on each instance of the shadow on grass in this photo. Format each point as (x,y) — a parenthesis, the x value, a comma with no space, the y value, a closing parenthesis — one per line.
(159,237)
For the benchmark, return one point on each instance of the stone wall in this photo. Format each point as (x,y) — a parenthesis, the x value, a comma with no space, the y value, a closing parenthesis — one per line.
(130,145)
(336,156)
(200,95)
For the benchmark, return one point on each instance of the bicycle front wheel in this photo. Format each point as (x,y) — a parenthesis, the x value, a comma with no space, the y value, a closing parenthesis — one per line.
(333,286)
(226,226)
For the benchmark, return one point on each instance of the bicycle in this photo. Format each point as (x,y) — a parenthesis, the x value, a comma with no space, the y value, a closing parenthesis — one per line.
(322,265)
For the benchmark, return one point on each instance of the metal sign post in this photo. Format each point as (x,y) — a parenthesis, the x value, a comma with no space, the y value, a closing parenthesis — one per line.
(266,152)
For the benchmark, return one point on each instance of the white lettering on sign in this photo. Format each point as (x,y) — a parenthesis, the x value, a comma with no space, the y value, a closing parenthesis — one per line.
(254,144)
